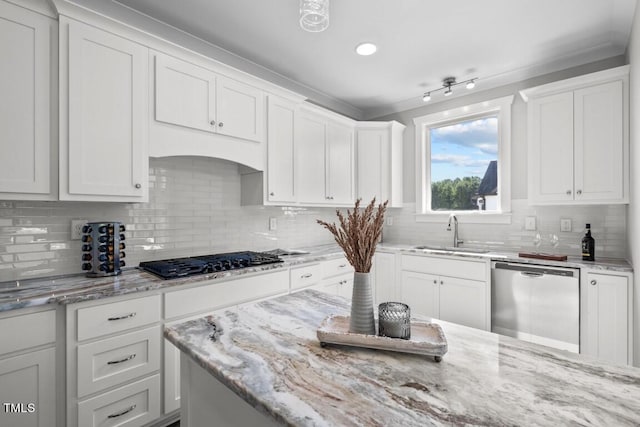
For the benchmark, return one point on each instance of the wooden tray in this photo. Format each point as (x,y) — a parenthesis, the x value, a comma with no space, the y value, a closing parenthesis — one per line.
(549,257)
(426,338)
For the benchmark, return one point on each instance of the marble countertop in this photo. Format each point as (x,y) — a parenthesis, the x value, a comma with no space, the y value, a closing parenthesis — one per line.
(269,355)
(610,264)
(78,288)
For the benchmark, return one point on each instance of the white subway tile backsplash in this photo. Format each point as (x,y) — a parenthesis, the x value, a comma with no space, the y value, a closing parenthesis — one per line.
(194,209)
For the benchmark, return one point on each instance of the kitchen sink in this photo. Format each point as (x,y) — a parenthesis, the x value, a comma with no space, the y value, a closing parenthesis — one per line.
(452,249)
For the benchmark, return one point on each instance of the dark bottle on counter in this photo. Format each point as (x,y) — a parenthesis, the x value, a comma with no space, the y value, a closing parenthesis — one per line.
(588,246)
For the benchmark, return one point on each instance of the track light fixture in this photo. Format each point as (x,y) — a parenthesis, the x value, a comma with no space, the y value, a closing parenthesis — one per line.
(447,84)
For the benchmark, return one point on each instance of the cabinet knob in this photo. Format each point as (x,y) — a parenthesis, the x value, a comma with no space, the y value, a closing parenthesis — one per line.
(138,186)
(272,194)
(435,282)
(220,124)
(441,282)
(579,192)
(568,192)
(213,122)
(594,282)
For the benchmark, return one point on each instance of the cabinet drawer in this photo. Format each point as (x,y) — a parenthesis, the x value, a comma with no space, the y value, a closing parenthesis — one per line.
(224,294)
(118,316)
(132,405)
(108,362)
(334,267)
(473,270)
(34,329)
(305,276)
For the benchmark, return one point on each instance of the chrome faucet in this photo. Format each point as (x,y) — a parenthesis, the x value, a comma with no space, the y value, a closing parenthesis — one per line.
(456,241)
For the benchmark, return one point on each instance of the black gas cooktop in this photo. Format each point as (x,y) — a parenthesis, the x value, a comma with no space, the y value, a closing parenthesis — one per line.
(180,267)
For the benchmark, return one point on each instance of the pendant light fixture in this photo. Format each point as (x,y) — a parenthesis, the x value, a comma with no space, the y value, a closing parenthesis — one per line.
(447,84)
(314,15)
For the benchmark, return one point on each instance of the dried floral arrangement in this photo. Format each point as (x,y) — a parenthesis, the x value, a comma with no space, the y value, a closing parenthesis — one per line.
(358,233)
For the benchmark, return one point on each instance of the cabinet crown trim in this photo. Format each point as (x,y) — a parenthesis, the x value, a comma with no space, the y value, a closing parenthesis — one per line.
(584,80)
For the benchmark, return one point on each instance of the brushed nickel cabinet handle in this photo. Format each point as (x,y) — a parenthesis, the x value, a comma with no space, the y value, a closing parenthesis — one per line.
(213,122)
(568,192)
(306,276)
(594,282)
(126,359)
(342,265)
(138,186)
(126,316)
(579,192)
(119,414)
(272,194)
(220,124)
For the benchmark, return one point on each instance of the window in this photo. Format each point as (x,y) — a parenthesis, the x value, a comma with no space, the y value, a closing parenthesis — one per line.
(463,162)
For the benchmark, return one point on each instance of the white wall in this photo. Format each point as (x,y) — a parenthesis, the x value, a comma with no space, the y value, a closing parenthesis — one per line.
(633,53)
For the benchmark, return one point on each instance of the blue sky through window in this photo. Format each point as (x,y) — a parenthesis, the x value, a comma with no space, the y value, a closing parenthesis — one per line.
(464,148)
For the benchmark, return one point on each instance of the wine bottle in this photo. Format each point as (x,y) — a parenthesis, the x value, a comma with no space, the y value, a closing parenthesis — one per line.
(588,246)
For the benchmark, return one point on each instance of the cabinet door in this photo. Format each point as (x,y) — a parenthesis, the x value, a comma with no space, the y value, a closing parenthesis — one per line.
(185,94)
(311,134)
(340,164)
(607,318)
(240,110)
(372,171)
(551,148)
(280,150)
(24,101)
(385,277)
(599,171)
(421,292)
(107,116)
(28,385)
(463,302)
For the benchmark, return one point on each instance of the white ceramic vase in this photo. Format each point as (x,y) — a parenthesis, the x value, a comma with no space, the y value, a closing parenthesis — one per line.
(362,320)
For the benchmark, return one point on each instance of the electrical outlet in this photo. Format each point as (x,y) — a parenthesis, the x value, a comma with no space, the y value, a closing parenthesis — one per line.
(76,228)
(273,224)
(530,223)
(565,224)
(389,220)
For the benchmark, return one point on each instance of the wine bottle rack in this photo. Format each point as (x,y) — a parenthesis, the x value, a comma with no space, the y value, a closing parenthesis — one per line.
(103,248)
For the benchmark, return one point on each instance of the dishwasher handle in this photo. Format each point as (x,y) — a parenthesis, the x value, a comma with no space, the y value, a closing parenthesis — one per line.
(532,274)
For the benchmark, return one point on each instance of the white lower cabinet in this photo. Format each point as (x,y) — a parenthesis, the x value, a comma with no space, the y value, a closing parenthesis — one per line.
(449,289)
(113,362)
(384,277)
(27,369)
(606,326)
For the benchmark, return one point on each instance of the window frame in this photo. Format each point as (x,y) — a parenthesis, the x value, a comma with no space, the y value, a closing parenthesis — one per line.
(500,107)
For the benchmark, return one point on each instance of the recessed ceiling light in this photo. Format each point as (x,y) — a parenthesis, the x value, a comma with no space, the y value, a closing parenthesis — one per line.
(366,49)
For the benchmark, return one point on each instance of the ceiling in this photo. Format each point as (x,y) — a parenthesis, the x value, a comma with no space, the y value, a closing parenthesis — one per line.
(420,42)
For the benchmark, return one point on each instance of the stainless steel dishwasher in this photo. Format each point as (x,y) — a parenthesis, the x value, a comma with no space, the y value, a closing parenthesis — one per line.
(536,303)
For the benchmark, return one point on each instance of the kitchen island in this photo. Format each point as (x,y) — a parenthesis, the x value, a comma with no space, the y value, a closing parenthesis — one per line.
(263,363)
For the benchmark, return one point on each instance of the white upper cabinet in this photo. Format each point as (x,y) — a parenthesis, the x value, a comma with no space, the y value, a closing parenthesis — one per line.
(379,164)
(103,144)
(194,97)
(185,94)
(198,112)
(579,139)
(324,160)
(27,143)
(281,150)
